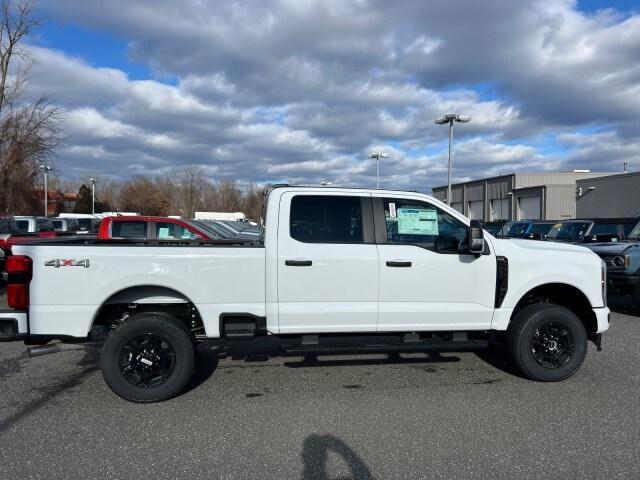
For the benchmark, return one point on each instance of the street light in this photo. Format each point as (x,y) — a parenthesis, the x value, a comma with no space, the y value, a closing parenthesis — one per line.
(46,169)
(450,118)
(378,156)
(93,195)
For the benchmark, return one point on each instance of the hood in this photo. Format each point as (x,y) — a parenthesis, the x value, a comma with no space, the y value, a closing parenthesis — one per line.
(613,248)
(541,245)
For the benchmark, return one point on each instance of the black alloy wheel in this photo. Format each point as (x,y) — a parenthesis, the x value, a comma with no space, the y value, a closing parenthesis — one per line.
(552,345)
(147,360)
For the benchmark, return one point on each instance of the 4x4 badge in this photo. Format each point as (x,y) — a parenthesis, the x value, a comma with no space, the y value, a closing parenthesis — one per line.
(67,262)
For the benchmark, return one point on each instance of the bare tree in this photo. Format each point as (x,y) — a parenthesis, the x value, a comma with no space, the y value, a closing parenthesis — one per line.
(144,196)
(191,190)
(28,129)
(252,202)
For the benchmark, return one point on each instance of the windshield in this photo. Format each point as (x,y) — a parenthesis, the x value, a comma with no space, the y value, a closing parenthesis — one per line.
(540,228)
(569,231)
(515,229)
(635,233)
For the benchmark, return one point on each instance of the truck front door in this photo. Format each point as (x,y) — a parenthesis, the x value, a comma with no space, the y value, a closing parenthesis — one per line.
(428,281)
(327,263)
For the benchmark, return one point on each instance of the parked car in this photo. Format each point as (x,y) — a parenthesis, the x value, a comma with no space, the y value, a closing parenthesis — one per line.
(65,224)
(21,230)
(494,227)
(530,229)
(88,225)
(151,228)
(623,264)
(227,230)
(35,225)
(592,230)
(338,271)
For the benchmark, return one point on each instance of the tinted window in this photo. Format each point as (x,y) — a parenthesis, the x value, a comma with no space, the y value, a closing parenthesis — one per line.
(172,231)
(5,226)
(606,229)
(516,229)
(23,225)
(326,219)
(129,230)
(570,231)
(417,223)
(85,224)
(540,228)
(58,224)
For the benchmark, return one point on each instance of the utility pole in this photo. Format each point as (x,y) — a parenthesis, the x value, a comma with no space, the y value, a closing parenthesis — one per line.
(46,169)
(93,195)
(450,118)
(378,156)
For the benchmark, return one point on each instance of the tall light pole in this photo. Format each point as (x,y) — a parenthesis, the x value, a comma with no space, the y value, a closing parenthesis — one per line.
(93,195)
(378,156)
(46,169)
(450,118)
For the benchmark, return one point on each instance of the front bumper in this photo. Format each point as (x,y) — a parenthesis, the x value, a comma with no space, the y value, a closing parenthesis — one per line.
(602,318)
(13,326)
(622,283)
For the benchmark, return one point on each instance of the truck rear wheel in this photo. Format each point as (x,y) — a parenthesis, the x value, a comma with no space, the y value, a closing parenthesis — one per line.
(548,342)
(149,358)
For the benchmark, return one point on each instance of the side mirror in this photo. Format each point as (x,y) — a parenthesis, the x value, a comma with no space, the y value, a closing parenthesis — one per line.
(476,238)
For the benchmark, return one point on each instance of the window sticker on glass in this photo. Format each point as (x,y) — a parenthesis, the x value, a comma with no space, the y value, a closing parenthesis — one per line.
(392,210)
(163,233)
(417,221)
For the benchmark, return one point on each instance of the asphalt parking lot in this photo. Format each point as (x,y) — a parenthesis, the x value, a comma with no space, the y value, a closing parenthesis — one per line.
(454,416)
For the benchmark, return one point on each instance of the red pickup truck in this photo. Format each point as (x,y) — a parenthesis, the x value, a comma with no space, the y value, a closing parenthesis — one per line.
(150,228)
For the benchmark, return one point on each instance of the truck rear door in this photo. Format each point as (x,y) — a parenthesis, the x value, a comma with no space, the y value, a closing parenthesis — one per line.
(327,263)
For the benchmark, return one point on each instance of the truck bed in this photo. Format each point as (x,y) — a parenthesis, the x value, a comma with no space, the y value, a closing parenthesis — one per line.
(73,278)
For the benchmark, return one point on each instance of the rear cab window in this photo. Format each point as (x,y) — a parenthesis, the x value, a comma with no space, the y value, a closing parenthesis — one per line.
(133,230)
(326,219)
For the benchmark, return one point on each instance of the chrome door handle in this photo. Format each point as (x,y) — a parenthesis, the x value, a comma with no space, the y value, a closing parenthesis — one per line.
(398,264)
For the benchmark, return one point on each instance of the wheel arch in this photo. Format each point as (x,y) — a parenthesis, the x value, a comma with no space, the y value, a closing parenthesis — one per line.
(562,294)
(147,298)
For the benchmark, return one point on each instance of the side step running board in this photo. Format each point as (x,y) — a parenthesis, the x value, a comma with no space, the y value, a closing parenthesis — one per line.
(425,346)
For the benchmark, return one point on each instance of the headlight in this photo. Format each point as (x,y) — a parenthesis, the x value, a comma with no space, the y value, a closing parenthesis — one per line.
(620,261)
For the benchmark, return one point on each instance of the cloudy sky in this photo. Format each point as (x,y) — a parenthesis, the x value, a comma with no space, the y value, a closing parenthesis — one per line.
(296,90)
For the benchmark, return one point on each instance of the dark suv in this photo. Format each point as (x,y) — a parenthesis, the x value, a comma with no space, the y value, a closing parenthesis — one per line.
(593,230)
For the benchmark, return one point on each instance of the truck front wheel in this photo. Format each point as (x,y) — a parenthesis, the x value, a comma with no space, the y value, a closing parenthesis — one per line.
(548,342)
(149,358)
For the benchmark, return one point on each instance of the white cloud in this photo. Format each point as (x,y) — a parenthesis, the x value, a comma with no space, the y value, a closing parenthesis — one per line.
(282,89)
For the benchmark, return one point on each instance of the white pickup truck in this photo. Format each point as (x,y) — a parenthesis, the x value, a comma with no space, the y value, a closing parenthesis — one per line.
(336,270)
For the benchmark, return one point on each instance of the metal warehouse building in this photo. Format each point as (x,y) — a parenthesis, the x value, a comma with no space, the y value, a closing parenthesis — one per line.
(611,196)
(518,196)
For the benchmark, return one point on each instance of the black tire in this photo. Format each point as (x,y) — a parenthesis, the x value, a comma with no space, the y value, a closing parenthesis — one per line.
(149,358)
(548,342)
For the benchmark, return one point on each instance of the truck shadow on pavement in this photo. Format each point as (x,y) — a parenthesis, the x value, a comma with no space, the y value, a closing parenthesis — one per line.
(90,362)
(312,361)
(315,456)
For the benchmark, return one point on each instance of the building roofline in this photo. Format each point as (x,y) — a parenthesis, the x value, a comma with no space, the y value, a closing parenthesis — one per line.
(513,174)
(611,175)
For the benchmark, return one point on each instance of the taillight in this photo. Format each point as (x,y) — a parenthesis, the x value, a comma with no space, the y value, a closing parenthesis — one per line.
(19,270)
